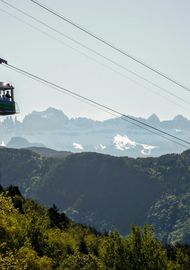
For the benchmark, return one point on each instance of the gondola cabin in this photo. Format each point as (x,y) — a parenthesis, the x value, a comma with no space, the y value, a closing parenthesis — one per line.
(7,103)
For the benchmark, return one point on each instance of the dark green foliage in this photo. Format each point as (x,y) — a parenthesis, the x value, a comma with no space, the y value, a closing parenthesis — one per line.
(83,247)
(57,219)
(170,215)
(79,261)
(144,251)
(16,196)
(1,189)
(12,191)
(112,252)
(107,192)
(30,241)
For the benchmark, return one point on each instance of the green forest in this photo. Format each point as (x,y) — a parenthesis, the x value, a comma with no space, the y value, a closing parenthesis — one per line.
(107,192)
(35,237)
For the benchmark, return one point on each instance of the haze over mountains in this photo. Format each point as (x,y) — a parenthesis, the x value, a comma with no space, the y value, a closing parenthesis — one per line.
(53,129)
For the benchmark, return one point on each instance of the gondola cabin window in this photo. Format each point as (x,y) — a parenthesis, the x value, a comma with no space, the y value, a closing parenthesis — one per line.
(7,103)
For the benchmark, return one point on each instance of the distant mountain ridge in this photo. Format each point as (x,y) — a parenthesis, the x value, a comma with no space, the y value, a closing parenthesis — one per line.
(53,129)
(19,142)
(47,152)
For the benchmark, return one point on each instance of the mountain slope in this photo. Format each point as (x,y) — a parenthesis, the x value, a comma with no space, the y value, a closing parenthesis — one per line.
(101,189)
(34,237)
(106,191)
(47,152)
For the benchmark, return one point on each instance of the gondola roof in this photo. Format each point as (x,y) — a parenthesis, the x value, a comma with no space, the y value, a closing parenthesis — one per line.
(6,86)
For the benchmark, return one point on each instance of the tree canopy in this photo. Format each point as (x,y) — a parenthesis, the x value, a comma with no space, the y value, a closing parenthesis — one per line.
(35,237)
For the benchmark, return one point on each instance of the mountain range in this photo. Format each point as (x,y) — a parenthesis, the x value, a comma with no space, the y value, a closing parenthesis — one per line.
(53,129)
(107,192)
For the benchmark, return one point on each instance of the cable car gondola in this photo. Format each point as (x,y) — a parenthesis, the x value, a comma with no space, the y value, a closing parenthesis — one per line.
(7,103)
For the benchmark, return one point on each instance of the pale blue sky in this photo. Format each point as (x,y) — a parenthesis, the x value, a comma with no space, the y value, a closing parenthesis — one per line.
(155,31)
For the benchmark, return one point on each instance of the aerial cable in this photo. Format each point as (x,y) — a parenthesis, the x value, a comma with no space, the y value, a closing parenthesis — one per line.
(95,60)
(100,55)
(111,45)
(61,91)
(143,125)
(71,95)
(96,106)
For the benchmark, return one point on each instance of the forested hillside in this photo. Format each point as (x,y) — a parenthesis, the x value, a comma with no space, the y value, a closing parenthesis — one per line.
(108,192)
(33,237)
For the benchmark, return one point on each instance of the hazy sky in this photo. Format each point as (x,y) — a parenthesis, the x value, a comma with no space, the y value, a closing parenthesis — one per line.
(156,32)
